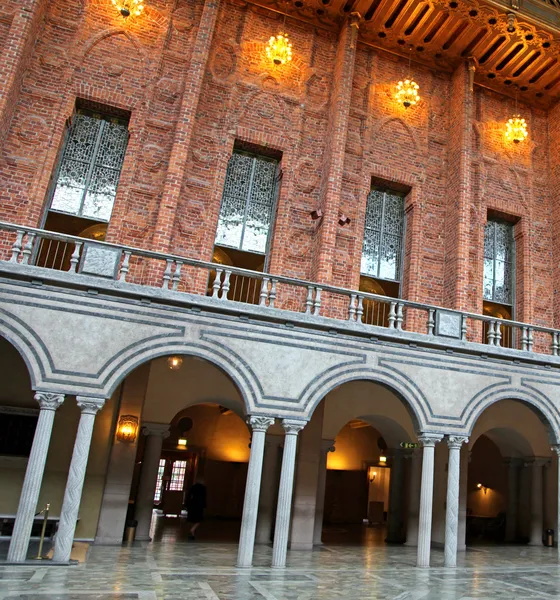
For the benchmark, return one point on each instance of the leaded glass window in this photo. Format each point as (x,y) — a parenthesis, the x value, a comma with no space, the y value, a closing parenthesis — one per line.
(90,167)
(247,203)
(498,262)
(383,235)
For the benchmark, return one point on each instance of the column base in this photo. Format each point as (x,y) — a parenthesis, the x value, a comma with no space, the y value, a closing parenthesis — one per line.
(301,546)
(142,538)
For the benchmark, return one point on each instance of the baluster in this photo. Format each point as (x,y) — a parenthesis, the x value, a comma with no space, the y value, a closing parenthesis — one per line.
(431,321)
(399,316)
(28,249)
(498,334)
(217,283)
(524,339)
(352,308)
(555,346)
(176,279)
(225,285)
(167,274)
(464,328)
(16,248)
(360,309)
(309,300)
(317,303)
(264,291)
(530,339)
(491,334)
(392,315)
(75,258)
(272,295)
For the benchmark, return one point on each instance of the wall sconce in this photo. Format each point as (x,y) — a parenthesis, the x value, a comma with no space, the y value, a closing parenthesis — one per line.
(343,220)
(279,49)
(372,474)
(174,362)
(383,459)
(316,214)
(129,7)
(482,487)
(127,429)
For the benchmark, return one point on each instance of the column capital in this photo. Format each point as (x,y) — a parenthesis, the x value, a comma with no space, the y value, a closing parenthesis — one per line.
(456,441)
(49,400)
(259,422)
(512,462)
(536,462)
(293,426)
(327,446)
(89,405)
(155,429)
(429,439)
(556,448)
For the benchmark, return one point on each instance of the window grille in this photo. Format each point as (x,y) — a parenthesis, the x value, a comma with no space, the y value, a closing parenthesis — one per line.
(159,480)
(247,203)
(178,471)
(383,235)
(90,167)
(498,262)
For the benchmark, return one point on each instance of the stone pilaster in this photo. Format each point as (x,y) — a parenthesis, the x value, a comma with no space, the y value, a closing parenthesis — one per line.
(428,441)
(414,499)
(326,447)
(76,476)
(269,488)
(29,496)
(394,518)
(537,516)
(284,508)
(259,426)
(176,169)
(155,434)
(513,465)
(452,508)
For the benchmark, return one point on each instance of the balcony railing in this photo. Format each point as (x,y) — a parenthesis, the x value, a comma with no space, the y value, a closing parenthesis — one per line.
(226,284)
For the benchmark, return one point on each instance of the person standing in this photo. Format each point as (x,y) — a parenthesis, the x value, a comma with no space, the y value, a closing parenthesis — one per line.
(195,504)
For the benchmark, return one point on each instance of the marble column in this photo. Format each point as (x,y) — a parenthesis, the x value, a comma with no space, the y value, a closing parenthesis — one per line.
(155,434)
(556,450)
(76,475)
(452,504)
(428,442)
(537,520)
(513,499)
(259,426)
(326,447)
(29,496)
(463,493)
(394,518)
(269,488)
(414,498)
(284,508)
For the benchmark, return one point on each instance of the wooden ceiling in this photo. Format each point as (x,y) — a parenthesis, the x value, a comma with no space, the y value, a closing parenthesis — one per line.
(510,55)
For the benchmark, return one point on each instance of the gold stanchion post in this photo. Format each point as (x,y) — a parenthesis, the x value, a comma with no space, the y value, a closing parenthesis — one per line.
(45,513)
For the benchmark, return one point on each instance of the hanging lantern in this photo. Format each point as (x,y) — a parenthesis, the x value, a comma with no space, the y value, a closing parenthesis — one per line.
(129,7)
(407,92)
(174,362)
(516,130)
(279,49)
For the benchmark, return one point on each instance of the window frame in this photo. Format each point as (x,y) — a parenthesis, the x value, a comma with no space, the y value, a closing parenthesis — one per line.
(512,264)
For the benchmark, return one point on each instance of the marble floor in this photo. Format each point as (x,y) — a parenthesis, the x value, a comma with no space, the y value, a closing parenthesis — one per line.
(205,571)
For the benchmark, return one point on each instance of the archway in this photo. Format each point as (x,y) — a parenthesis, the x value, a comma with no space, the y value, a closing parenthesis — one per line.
(510,490)
(364,486)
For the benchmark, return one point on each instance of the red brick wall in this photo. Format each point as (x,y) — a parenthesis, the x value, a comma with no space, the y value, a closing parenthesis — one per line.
(148,66)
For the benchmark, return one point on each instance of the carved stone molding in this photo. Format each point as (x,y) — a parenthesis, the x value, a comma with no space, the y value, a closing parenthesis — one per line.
(90,406)
(259,423)
(49,400)
(161,429)
(456,441)
(293,426)
(430,439)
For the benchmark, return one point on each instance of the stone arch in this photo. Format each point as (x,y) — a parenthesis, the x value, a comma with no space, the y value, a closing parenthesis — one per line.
(540,404)
(102,35)
(385,124)
(120,365)
(408,393)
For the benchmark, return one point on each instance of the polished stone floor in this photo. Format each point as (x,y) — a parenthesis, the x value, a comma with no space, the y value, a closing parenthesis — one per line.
(205,571)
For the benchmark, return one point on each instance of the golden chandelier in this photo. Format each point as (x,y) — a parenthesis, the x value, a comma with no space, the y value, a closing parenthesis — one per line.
(279,49)
(516,130)
(129,7)
(407,92)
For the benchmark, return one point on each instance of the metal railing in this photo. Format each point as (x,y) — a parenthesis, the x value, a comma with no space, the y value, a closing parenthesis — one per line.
(55,251)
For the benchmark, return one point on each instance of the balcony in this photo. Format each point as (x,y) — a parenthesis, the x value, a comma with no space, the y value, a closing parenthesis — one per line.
(70,260)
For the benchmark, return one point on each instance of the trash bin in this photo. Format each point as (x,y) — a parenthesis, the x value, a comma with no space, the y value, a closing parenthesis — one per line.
(549,537)
(130,530)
